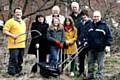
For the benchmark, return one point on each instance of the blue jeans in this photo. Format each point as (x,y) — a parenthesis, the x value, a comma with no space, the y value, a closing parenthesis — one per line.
(54,55)
(15,60)
(94,57)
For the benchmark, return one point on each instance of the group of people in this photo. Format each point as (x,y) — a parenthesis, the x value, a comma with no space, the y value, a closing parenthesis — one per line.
(61,33)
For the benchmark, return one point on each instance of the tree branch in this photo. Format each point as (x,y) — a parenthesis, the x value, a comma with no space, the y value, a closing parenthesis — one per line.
(25,6)
(40,9)
(89,4)
(10,8)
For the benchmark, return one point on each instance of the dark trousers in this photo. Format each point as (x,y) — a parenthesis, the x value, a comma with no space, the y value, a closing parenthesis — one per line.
(95,57)
(82,60)
(15,60)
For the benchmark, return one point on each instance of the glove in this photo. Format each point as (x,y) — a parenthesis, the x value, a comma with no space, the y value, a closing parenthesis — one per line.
(85,44)
(107,49)
(59,44)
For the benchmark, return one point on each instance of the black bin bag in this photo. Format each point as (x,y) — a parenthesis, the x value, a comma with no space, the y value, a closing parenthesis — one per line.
(47,69)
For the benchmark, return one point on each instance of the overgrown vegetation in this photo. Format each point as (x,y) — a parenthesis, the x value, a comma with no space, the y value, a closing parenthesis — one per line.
(115,48)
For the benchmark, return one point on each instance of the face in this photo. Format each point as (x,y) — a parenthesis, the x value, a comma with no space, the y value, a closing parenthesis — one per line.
(56,21)
(41,19)
(67,22)
(55,10)
(85,17)
(75,8)
(96,18)
(18,13)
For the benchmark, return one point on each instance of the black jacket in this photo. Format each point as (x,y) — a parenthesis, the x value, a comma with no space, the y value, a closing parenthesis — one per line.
(76,19)
(83,30)
(99,36)
(42,40)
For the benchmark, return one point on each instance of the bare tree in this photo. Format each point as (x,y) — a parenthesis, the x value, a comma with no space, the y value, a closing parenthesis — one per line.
(10,8)
(41,8)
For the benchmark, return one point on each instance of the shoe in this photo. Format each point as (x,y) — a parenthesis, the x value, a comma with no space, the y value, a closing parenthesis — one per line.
(72,74)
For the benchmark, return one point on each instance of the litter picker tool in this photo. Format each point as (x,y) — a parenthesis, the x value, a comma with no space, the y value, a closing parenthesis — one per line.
(37,60)
(29,38)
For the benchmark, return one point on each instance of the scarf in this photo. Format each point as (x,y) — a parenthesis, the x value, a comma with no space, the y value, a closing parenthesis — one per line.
(68,27)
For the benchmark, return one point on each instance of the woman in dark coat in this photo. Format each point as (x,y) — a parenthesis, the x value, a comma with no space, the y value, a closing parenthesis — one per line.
(42,27)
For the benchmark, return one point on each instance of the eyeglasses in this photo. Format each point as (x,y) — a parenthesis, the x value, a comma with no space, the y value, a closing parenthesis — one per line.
(55,16)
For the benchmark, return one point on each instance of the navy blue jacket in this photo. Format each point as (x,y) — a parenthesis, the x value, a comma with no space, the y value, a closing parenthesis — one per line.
(99,36)
(83,30)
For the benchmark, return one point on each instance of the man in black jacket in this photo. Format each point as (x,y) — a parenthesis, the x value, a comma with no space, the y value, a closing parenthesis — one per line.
(76,15)
(99,41)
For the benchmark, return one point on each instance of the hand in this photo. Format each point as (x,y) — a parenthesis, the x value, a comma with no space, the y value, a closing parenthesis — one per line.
(79,43)
(67,42)
(37,45)
(107,49)
(85,44)
(15,36)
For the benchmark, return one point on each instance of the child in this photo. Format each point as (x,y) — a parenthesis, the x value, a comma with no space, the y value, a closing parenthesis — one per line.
(71,37)
(56,37)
